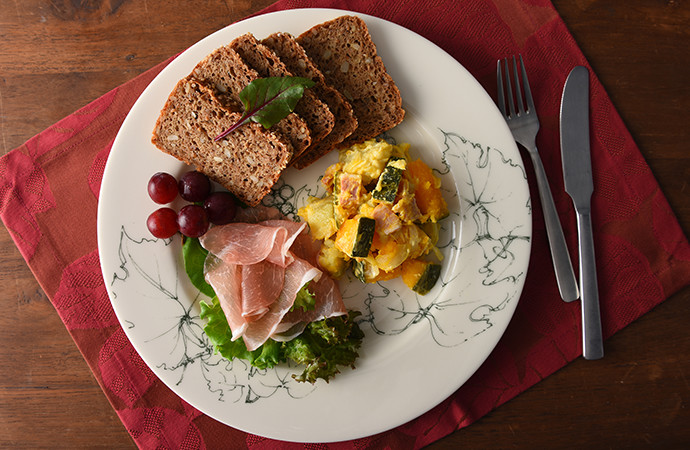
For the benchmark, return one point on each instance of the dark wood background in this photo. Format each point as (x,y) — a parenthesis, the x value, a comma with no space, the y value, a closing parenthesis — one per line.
(58,55)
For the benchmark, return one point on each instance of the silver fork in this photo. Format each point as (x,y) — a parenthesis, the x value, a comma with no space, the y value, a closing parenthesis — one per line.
(524,125)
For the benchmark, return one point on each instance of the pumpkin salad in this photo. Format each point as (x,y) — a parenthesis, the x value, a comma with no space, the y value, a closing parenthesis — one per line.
(379,217)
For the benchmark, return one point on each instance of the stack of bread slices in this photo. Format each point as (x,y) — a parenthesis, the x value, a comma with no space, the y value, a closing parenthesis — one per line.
(353,99)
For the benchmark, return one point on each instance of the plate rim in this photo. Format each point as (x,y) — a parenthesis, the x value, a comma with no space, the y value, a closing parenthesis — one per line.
(172,69)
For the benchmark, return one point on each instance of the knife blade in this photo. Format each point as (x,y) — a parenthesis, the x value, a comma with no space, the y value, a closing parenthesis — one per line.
(577,175)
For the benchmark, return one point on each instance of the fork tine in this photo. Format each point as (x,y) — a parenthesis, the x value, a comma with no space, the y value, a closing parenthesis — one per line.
(528,93)
(509,89)
(501,92)
(518,88)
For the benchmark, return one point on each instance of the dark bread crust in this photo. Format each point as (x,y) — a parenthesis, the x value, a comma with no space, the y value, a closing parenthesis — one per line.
(225,73)
(247,162)
(340,57)
(316,113)
(298,63)
(343,50)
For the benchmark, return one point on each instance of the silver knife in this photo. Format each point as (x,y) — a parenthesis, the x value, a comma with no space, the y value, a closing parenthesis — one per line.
(577,175)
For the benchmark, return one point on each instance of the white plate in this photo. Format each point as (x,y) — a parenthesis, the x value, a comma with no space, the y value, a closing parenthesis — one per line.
(417,350)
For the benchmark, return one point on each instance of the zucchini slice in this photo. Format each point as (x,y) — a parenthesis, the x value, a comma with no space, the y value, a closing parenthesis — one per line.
(387,185)
(359,270)
(355,236)
(366,271)
(420,276)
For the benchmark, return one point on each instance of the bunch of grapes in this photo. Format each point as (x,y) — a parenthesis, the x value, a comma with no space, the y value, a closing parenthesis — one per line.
(194,219)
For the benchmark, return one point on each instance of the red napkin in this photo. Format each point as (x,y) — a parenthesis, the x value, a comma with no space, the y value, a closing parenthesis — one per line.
(49,194)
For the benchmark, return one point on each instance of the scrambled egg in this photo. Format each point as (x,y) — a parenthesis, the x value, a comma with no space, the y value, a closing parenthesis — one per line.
(371,220)
(369,158)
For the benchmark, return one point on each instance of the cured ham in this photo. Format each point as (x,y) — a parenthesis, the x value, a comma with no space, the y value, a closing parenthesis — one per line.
(229,277)
(351,191)
(387,221)
(329,303)
(257,268)
(297,275)
(246,243)
(261,285)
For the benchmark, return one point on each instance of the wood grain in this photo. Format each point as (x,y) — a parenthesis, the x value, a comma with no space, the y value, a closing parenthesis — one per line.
(58,55)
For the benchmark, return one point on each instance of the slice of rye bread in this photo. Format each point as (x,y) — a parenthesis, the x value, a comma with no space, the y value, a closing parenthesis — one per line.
(225,73)
(296,60)
(316,113)
(247,162)
(343,50)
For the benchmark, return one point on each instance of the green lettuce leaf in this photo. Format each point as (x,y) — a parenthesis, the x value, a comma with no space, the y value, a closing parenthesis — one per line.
(219,333)
(269,100)
(194,256)
(324,346)
(304,299)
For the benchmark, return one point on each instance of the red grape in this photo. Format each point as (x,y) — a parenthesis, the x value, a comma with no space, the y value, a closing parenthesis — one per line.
(194,186)
(162,223)
(192,221)
(220,207)
(162,188)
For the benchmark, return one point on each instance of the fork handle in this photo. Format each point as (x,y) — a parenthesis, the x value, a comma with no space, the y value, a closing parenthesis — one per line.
(565,276)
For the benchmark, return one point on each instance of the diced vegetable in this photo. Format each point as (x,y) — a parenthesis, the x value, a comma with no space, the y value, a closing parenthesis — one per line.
(359,270)
(407,243)
(366,272)
(388,182)
(367,159)
(391,254)
(331,259)
(385,209)
(318,213)
(355,235)
(384,275)
(427,192)
(420,276)
(433,230)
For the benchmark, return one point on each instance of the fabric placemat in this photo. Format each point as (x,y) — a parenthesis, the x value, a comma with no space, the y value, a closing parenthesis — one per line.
(49,190)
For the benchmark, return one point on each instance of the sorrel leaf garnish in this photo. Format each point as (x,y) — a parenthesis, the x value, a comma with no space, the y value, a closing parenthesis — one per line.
(269,100)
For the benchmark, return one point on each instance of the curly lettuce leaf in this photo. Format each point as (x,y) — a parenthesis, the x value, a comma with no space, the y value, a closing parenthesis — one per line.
(325,346)
(304,299)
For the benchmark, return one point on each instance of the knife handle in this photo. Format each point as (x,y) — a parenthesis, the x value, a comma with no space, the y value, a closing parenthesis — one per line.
(565,276)
(592,340)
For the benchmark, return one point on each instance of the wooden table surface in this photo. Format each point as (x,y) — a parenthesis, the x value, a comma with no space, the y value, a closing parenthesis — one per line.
(58,55)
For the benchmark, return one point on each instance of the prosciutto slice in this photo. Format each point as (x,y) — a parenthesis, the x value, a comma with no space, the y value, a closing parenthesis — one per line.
(257,268)
(297,275)
(228,278)
(246,243)
(329,303)
(261,285)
